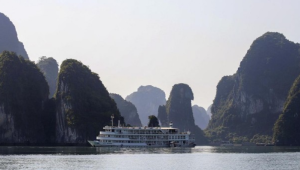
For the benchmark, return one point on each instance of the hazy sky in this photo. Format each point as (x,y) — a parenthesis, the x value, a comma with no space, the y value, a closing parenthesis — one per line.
(155,42)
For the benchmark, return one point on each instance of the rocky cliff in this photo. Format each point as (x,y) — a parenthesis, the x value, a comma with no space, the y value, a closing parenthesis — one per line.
(83,104)
(23,94)
(146,100)
(208,111)
(9,39)
(249,102)
(200,116)
(49,67)
(287,127)
(179,111)
(163,116)
(127,110)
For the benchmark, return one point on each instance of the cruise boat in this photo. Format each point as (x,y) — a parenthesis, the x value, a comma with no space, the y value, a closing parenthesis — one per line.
(118,136)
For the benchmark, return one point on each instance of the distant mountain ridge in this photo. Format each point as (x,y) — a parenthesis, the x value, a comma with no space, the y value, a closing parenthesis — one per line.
(147,99)
(127,110)
(49,67)
(9,38)
(201,117)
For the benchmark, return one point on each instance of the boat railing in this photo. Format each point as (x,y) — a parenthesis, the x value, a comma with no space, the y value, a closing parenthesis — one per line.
(121,127)
(141,128)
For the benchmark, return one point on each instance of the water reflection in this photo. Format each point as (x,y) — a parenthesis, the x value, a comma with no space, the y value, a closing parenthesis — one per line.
(15,150)
(111,150)
(244,149)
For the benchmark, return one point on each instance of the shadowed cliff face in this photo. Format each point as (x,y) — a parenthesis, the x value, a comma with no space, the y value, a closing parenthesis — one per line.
(9,39)
(127,110)
(287,127)
(249,102)
(208,111)
(83,104)
(163,116)
(179,111)
(179,107)
(200,116)
(49,67)
(23,94)
(146,100)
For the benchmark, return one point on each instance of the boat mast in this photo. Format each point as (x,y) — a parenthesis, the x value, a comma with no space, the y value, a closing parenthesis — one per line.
(112,120)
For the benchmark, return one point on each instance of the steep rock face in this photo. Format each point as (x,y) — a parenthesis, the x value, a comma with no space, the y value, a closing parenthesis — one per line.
(9,39)
(23,93)
(49,67)
(179,111)
(287,127)
(127,110)
(208,111)
(162,116)
(249,102)
(146,100)
(200,116)
(83,104)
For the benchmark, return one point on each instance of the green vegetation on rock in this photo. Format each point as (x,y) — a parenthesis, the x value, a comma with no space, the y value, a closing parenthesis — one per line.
(23,93)
(83,104)
(49,67)
(249,102)
(261,139)
(287,127)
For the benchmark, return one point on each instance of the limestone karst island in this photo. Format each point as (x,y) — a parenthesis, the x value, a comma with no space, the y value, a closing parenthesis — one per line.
(52,104)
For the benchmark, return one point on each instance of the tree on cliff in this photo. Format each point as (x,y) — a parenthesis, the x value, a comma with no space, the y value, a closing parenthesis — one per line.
(153,121)
(9,39)
(179,111)
(83,104)
(127,110)
(49,67)
(287,127)
(23,92)
(248,103)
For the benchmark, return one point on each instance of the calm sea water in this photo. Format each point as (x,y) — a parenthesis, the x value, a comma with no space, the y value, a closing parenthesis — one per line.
(200,157)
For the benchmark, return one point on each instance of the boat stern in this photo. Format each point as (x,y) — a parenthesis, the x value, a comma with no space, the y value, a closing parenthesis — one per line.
(92,142)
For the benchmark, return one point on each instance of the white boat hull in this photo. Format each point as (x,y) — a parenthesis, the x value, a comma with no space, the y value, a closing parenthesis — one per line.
(96,143)
(102,144)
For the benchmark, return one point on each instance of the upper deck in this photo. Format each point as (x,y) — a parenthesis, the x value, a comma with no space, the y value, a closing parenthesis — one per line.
(139,128)
(142,130)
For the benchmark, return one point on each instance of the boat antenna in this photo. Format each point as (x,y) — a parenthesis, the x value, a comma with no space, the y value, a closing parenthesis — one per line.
(171,124)
(112,120)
